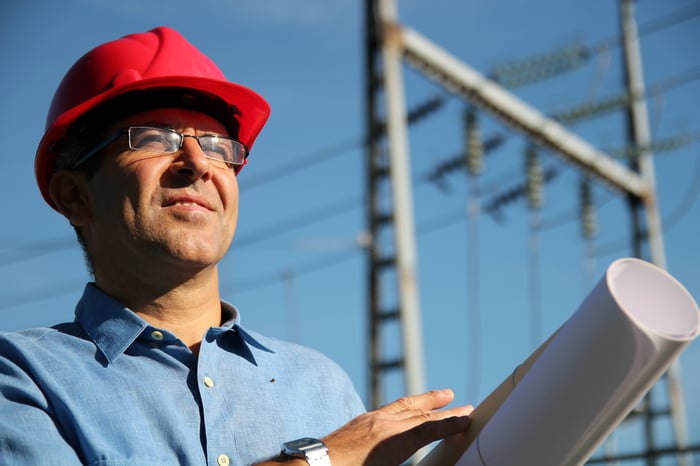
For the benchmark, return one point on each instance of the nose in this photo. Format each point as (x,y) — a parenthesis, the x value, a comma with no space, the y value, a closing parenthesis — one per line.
(191,161)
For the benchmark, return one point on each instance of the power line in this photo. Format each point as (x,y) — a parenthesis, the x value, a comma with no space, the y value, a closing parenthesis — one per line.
(44,247)
(510,195)
(686,202)
(323,213)
(36,249)
(303,268)
(330,259)
(297,221)
(676,215)
(344,205)
(296,164)
(677,80)
(649,27)
(600,107)
(672,19)
(546,65)
(563,218)
(53,290)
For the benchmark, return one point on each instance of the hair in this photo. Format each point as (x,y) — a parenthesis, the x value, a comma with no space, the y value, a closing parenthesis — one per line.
(92,127)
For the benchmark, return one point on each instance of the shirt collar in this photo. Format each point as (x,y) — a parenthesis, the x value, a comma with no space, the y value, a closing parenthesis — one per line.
(114,327)
(232,319)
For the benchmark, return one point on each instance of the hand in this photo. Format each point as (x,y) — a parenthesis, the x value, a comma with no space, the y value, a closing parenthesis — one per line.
(391,434)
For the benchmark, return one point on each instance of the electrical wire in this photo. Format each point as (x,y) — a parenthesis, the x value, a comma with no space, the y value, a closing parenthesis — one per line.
(473,288)
(48,246)
(302,268)
(44,247)
(330,259)
(297,221)
(649,27)
(677,214)
(53,290)
(36,249)
(563,218)
(568,58)
(296,164)
(444,221)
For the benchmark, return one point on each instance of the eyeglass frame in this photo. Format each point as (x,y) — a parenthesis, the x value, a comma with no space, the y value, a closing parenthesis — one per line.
(122,131)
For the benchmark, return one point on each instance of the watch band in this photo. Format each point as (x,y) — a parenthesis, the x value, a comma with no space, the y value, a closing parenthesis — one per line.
(321,459)
(314,451)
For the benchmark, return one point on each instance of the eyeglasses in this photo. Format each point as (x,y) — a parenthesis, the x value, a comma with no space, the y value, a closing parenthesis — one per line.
(168,141)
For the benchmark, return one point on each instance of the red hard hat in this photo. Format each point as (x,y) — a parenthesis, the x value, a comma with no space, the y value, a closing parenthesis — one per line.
(157,59)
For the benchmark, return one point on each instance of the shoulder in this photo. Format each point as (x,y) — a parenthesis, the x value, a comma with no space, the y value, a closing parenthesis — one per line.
(42,345)
(306,377)
(41,336)
(295,354)
(304,363)
(32,358)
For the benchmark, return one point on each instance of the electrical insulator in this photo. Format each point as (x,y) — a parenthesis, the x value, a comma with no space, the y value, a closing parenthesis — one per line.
(541,67)
(425,109)
(589,225)
(664,145)
(474,150)
(535,178)
(592,109)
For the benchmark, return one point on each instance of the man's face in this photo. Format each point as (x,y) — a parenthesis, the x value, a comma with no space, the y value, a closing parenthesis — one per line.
(153,209)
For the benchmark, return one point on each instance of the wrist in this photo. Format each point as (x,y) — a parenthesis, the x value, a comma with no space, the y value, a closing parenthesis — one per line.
(283,460)
(313,451)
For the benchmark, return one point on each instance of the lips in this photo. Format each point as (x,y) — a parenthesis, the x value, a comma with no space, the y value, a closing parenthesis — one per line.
(187,201)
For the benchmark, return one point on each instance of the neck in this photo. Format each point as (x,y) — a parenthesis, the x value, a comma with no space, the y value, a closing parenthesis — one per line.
(187,308)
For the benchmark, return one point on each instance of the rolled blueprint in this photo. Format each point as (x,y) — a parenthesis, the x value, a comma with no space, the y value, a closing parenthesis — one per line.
(565,399)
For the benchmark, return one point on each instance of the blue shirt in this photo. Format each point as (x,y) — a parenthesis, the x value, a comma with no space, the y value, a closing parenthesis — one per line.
(110,389)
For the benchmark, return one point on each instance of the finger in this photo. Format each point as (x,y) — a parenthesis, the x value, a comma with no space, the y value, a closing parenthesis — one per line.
(422,431)
(417,417)
(437,425)
(430,431)
(434,399)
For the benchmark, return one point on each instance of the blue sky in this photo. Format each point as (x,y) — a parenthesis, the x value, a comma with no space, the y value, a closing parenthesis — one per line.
(296,269)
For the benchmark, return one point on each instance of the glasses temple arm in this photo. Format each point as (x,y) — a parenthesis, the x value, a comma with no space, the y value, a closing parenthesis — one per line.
(98,148)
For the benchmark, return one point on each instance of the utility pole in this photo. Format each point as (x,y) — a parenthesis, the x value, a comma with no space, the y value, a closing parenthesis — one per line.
(643,163)
(392,267)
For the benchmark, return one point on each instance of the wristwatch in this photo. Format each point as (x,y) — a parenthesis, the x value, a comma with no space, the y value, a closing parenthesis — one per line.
(314,451)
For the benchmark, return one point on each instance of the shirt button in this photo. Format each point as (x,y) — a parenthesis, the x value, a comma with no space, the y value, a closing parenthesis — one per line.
(222,460)
(157,335)
(210,383)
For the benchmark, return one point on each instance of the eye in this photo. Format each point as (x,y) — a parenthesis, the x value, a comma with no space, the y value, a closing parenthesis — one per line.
(216,148)
(154,139)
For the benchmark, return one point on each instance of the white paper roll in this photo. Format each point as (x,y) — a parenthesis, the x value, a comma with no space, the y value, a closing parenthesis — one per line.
(592,373)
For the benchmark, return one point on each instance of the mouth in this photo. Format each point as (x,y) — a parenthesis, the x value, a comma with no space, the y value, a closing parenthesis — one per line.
(189,202)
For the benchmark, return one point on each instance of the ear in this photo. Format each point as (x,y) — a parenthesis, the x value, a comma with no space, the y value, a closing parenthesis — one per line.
(68,191)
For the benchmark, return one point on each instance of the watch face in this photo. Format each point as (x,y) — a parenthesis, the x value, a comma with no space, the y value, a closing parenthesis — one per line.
(304,447)
(303,444)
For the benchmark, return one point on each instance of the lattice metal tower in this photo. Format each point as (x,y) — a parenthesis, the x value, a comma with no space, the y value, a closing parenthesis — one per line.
(393,292)
(394,311)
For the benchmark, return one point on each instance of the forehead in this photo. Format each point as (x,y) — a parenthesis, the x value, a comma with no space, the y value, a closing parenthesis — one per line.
(175,118)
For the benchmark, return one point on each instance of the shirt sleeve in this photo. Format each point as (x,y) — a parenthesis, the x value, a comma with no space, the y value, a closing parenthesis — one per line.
(30,434)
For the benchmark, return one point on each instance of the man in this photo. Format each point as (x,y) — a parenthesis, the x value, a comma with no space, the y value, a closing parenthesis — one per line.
(143,143)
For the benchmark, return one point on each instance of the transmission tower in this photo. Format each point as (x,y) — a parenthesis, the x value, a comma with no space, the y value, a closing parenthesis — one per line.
(393,290)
